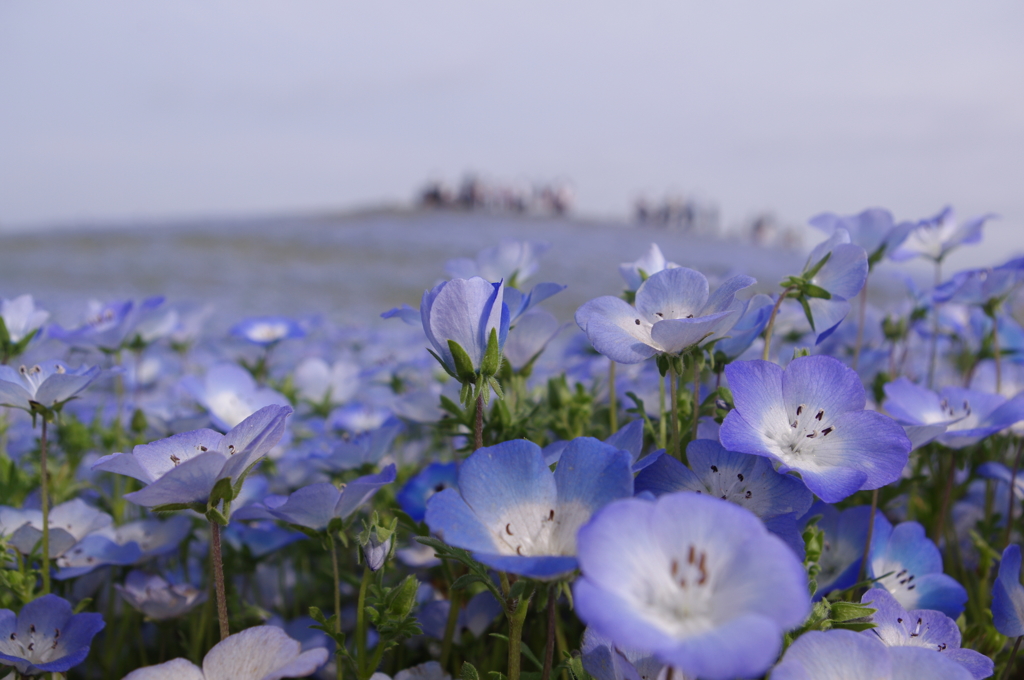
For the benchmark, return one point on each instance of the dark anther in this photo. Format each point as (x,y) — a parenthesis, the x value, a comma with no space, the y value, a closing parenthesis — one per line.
(659,314)
(12,636)
(551,515)
(508,528)
(740,475)
(439,488)
(703,570)
(32,628)
(692,557)
(203,449)
(899,620)
(820,414)
(912,587)
(675,568)
(689,316)
(799,409)
(638,322)
(749,494)
(31,646)
(714,468)
(827,431)
(519,550)
(812,435)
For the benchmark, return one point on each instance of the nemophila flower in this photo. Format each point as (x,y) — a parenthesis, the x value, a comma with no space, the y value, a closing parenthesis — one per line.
(130,543)
(529,336)
(748,481)
(968,415)
(47,385)
(267,330)
(432,479)
(846,533)
(19,321)
(259,538)
(314,506)
(649,264)
(908,565)
(897,627)
(511,260)
(45,637)
(997,471)
(158,599)
(604,660)
(183,469)
(810,418)
(318,382)
(464,313)
(258,653)
(515,515)
(842,276)
(674,312)
(230,394)
(112,326)
(628,438)
(431,670)
(1008,595)
(696,580)
(845,655)
(981,286)
(519,303)
(935,237)
(476,617)
(751,324)
(874,230)
(367,447)
(70,522)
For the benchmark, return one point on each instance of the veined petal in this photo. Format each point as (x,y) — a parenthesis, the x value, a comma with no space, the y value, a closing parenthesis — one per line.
(672,294)
(177,669)
(674,335)
(190,482)
(620,343)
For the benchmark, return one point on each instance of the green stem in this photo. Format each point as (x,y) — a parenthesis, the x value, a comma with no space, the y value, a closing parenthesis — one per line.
(44,499)
(867,541)
(662,436)
(771,323)
(996,352)
(217,567)
(549,647)
(940,523)
(1013,495)
(515,638)
(860,324)
(450,625)
(478,426)
(337,599)
(696,396)
(613,415)
(1013,658)
(673,413)
(361,624)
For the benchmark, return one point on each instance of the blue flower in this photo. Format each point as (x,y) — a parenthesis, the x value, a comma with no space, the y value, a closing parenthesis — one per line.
(529,336)
(267,330)
(432,479)
(874,230)
(515,515)
(846,533)
(48,385)
(967,416)
(19,320)
(697,581)
(811,419)
(1008,595)
(230,395)
(464,312)
(748,481)
(157,598)
(314,506)
(843,276)
(897,627)
(845,655)
(257,653)
(512,260)
(45,637)
(604,660)
(117,324)
(184,468)
(674,312)
(935,237)
(909,566)
(649,264)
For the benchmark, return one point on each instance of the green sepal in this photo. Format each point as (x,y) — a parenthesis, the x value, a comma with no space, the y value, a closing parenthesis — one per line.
(222,491)
(446,367)
(807,312)
(174,507)
(848,611)
(811,290)
(799,352)
(812,272)
(856,626)
(496,386)
(215,515)
(5,336)
(466,394)
(492,355)
(406,597)
(464,370)
(661,361)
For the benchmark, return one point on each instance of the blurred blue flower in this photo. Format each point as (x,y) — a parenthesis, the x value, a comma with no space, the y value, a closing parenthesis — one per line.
(118,324)
(511,260)
(230,394)
(647,265)
(1008,595)
(810,418)
(874,230)
(604,660)
(695,580)
(515,515)
(48,385)
(434,478)
(21,318)
(935,237)
(267,330)
(846,534)
(157,598)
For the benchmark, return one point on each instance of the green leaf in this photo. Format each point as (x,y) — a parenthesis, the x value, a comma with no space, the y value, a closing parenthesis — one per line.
(807,313)
(469,672)
(467,580)
(492,355)
(464,369)
(406,597)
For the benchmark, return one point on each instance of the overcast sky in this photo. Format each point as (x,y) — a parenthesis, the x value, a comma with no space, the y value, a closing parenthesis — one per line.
(116,110)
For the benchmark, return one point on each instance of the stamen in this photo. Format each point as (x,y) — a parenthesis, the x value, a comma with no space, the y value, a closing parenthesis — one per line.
(799,409)
(821,413)
(714,468)
(638,322)
(740,475)
(749,494)
(519,550)
(175,460)
(703,570)
(692,556)
(827,431)
(675,568)
(551,516)
(508,529)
